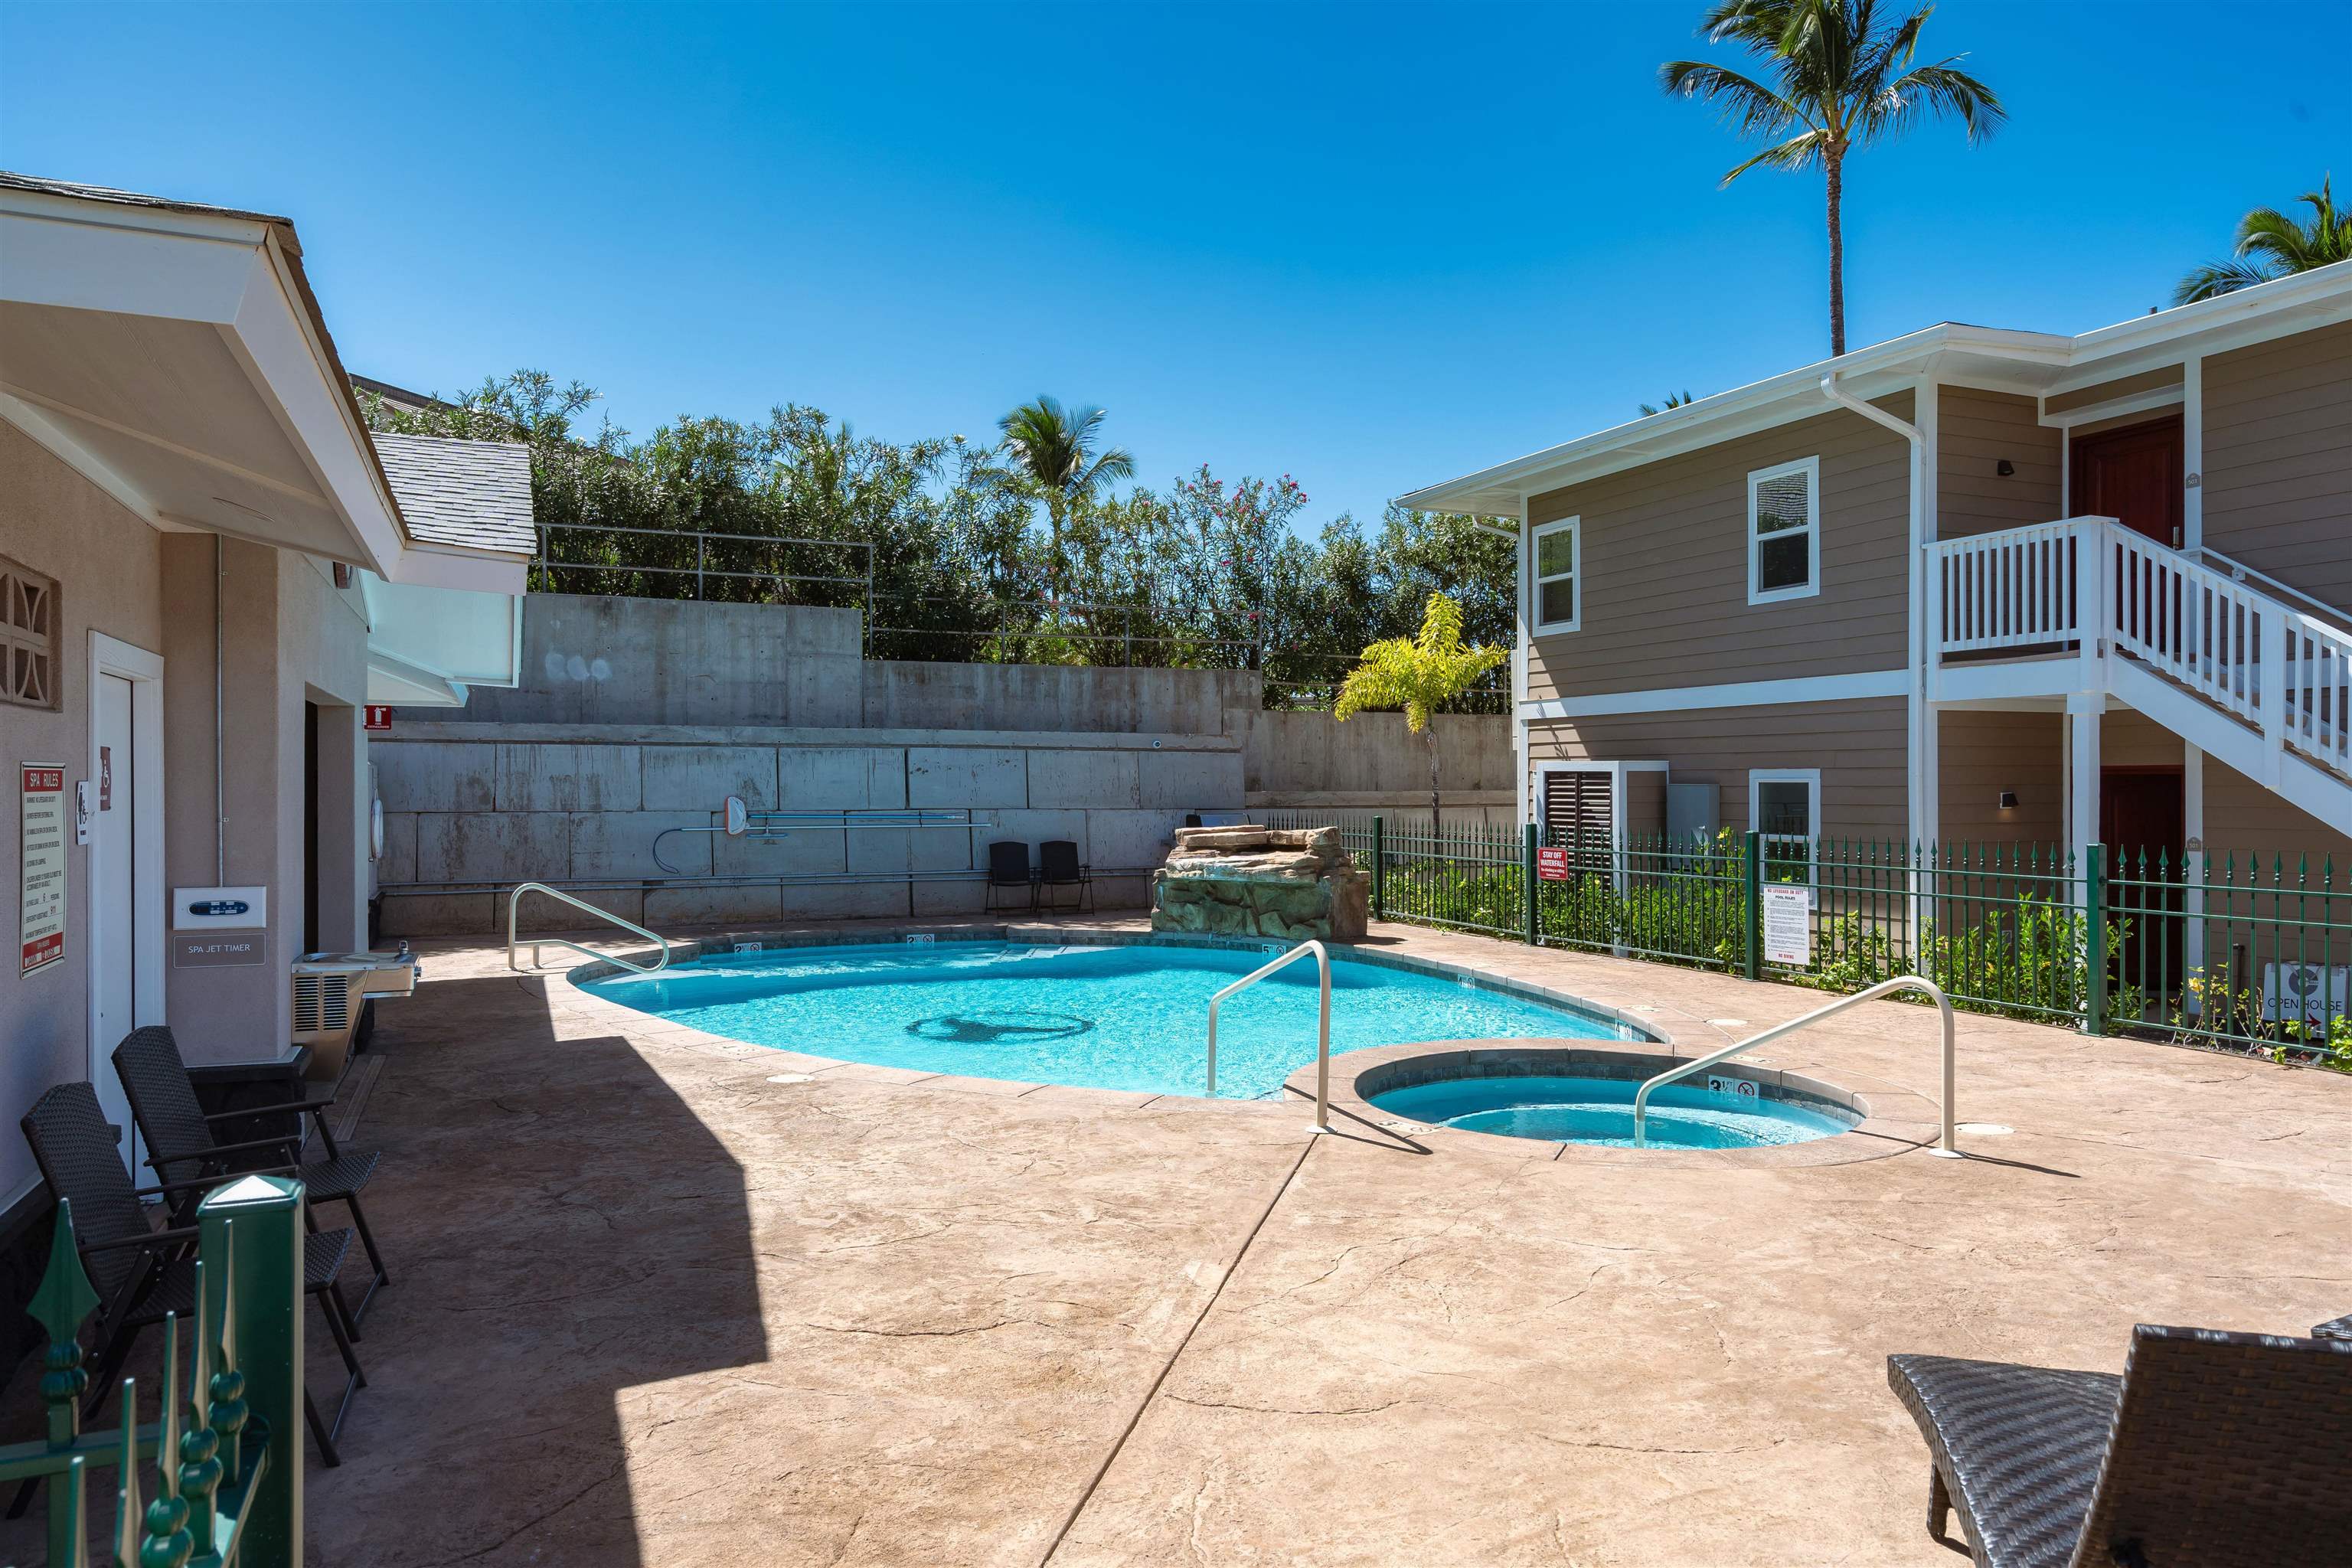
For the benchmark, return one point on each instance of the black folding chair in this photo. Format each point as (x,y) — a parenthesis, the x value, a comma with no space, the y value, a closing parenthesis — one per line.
(1059,866)
(182,1147)
(141,1273)
(1008,868)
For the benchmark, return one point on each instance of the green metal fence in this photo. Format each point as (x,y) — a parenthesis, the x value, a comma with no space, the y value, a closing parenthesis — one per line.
(2232,953)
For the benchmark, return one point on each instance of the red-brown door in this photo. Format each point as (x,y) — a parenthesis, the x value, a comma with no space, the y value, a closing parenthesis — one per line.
(2133,474)
(2143,825)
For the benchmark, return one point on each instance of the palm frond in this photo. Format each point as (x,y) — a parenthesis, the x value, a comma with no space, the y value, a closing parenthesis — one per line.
(1747,105)
(1803,150)
(1941,90)
(2218,277)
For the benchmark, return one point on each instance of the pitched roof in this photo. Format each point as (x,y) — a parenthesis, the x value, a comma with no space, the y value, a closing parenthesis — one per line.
(472,494)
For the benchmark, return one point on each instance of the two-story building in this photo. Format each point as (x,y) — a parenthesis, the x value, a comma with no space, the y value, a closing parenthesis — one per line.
(1970,584)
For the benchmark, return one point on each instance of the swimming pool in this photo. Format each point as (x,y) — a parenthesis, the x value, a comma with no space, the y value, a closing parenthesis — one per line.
(1130,1017)
(1600,1111)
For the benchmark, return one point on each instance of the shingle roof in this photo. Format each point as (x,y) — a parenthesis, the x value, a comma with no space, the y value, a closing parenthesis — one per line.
(475,494)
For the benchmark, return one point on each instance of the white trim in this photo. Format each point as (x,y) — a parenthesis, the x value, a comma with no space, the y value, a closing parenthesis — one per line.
(1520,659)
(1811,468)
(2117,408)
(2192,453)
(1738,694)
(1575,575)
(2192,828)
(110,656)
(1811,779)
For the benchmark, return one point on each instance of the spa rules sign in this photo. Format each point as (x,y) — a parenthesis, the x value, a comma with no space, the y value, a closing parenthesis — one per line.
(41,916)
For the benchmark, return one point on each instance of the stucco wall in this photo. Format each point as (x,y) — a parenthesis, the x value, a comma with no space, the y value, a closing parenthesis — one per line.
(109,572)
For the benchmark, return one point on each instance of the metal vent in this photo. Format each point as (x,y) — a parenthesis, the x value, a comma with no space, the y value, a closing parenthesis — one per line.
(322,1003)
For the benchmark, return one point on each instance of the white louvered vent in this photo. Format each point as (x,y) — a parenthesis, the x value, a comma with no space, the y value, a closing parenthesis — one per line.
(28,636)
(322,1003)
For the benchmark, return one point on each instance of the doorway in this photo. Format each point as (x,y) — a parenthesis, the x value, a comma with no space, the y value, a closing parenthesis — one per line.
(2143,822)
(2133,475)
(126,863)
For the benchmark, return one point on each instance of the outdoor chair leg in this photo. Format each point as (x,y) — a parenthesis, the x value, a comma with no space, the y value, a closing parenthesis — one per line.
(330,1303)
(1939,1510)
(338,1319)
(376,1260)
(319,1433)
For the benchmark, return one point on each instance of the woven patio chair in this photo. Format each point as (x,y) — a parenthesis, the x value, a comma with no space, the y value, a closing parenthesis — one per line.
(2219,1450)
(141,1273)
(181,1145)
(1008,868)
(1059,866)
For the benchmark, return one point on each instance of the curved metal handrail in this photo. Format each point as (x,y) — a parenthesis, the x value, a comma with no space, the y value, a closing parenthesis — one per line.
(515,898)
(1947,1148)
(1322,1023)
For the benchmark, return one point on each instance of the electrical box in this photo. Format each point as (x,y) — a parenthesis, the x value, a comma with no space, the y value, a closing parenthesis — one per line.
(1693,811)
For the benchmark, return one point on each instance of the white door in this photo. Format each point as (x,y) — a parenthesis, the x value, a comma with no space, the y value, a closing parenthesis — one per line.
(115,897)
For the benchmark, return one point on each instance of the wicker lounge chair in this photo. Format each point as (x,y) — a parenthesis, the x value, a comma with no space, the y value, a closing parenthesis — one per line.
(1058,866)
(1008,868)
(181,1146)
(141,1274)
(2219,1450)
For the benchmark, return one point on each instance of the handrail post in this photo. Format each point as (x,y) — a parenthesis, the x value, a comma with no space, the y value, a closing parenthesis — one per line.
(1947,1146)
(1527,877)
(1754,921)
(1322,1022)
(514,899)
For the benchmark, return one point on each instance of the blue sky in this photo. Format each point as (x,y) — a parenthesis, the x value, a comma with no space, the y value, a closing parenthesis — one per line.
(1371,247)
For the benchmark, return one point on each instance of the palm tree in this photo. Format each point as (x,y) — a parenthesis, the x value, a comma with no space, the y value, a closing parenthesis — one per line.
(2273,245)
(1845,77)
(1674,399)
(1053,447)
(1419,674)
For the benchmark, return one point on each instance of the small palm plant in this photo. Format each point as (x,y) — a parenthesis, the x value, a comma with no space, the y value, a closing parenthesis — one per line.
(1419,674)
(2273,244)
(1053,448)
(1844,80)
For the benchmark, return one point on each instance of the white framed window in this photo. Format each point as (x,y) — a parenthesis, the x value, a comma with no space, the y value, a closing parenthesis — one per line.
(1784,532)
(1784,805)
(1556,563)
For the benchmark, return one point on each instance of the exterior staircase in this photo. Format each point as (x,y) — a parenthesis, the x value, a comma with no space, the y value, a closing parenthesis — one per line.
(2245,669)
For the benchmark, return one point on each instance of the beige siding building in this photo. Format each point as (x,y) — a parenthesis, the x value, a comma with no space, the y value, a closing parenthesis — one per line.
(206,576)
(1971,585)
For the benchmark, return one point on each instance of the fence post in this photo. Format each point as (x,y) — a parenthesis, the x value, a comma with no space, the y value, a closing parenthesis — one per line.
(262,1292)
(1528,876)
(1380,869)
(1753,864)
(2095,938)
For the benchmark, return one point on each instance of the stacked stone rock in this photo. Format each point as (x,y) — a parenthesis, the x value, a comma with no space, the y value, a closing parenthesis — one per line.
(1287,882)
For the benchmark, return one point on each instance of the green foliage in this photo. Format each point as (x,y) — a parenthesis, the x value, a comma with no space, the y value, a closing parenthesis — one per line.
(2272,243)
(1419,674)
(1209,573)
(2237,1015)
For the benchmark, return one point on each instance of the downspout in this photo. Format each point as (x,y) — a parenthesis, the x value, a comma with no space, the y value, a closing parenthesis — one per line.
(1521,803)
(1916,793)
(220,753)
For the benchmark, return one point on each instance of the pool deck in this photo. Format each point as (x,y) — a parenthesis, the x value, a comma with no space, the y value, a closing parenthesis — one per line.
(666,1299)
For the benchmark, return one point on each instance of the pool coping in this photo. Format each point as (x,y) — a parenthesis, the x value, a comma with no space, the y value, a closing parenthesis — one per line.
(1895,1121)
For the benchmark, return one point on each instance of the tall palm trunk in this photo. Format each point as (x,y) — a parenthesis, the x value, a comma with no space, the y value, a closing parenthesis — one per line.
(1835,162)
(1429,740)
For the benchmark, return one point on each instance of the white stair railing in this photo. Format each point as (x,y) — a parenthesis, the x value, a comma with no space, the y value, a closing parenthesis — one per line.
(1322,1023)
(515,898)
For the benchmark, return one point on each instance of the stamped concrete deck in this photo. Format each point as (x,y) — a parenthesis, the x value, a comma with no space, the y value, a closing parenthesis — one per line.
(664,1299)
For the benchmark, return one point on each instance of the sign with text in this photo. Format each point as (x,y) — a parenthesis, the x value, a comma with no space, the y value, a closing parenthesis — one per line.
(1551,865)
(1789,926)
(379,717)
(41,912)
(217,949)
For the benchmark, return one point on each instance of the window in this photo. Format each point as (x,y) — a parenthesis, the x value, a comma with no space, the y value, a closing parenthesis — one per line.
(1784,532)
(1784,805)
(28,636)
(1560,549)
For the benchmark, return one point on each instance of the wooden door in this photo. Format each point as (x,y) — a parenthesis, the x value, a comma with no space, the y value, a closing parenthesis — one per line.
(2142,822)
(2133,474)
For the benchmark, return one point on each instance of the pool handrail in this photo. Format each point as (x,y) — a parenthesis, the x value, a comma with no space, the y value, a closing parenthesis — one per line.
(1322,1023)
(1947,1148)
(515,898)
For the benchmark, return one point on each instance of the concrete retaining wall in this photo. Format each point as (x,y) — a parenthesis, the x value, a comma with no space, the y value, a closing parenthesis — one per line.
(581,803)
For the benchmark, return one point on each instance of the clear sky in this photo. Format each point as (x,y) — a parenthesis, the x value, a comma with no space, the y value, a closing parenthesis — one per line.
(1373,246)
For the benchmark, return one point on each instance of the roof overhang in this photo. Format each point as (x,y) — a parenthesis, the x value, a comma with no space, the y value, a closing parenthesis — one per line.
(175,357)
(2029,364)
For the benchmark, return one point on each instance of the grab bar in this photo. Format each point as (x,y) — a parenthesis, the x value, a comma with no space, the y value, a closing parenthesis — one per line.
(1322,1023)
(1948,1150)
(515,898)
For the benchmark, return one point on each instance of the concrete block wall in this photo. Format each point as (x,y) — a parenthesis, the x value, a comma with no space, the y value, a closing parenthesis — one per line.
(469,805)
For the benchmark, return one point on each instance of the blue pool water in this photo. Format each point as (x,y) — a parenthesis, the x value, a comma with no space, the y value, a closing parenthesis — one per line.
(1600,1111)
(1104,1018)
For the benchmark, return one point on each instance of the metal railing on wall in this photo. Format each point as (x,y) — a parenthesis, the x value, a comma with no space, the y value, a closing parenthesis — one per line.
(2241,953)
